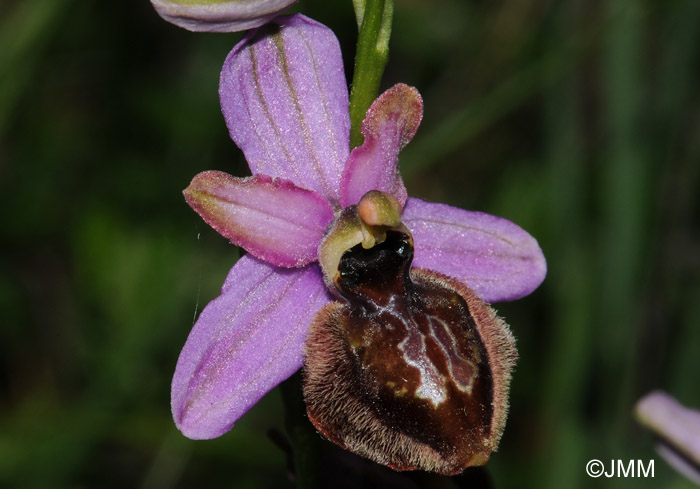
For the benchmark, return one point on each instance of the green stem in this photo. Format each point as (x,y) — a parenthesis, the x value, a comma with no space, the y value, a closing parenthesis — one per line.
(374,24)
(304,439)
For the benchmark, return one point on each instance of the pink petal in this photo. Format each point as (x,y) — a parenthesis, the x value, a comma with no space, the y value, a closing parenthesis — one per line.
(672,422)
(273,219)
(219,16)
(284,96)
(492,256)
(391,122)
(244,343)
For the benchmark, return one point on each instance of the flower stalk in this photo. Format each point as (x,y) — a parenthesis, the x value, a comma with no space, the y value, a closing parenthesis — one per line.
(374,30)
(303,437)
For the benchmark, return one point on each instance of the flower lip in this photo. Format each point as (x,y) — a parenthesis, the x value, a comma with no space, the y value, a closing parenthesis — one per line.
(412,369)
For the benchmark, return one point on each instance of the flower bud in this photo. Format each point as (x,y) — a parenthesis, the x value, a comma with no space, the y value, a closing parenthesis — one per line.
(219,15)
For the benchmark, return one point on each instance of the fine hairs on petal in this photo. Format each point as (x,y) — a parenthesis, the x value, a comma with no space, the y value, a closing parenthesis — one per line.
(348,410)
(272,218)
(244,343)
(496,258)
(285,101)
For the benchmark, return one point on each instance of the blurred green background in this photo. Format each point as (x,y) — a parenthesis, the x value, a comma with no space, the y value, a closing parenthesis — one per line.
(578,120)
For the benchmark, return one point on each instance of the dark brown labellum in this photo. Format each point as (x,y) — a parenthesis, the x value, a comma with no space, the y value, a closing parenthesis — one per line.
(412,370)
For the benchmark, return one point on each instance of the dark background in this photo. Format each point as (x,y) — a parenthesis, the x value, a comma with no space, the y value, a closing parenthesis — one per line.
(578,120)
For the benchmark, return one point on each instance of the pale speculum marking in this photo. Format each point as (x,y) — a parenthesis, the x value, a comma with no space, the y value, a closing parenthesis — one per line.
(463,371)
(417,330)
(432,384)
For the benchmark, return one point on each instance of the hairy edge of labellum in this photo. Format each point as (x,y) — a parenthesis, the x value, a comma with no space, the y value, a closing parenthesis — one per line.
(332,382)
(364,389)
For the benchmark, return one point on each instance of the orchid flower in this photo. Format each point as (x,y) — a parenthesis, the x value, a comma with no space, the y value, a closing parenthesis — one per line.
(285,101)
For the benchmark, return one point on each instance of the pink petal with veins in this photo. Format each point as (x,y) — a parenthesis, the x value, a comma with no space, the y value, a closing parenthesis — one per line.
(284,97)
(273,219)
(494,257)
(391,122)
(243,344)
